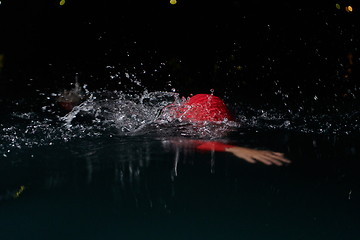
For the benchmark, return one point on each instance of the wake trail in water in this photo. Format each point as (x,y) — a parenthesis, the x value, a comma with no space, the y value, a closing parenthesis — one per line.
(106,113)
(103,113)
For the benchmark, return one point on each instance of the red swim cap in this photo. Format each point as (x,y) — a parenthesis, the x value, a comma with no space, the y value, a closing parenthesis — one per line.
(204,107)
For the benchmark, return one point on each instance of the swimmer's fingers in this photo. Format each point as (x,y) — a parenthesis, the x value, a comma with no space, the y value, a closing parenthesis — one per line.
(274,158)
(269,158)
(243,153)
(280,156)
(248,159)
(253,155)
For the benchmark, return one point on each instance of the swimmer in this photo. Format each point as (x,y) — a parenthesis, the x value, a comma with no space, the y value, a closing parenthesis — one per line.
(201,107)
(207,107)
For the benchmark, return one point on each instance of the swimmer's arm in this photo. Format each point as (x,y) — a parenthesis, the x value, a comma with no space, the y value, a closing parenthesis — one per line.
(254,155)
(248,154)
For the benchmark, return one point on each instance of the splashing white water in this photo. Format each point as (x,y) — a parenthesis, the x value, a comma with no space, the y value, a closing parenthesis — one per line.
(126,112)
(117,114)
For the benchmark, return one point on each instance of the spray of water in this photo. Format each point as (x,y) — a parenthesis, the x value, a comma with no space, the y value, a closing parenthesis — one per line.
(106,113)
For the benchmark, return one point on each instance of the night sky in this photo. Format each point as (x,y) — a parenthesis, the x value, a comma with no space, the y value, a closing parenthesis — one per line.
(303,54)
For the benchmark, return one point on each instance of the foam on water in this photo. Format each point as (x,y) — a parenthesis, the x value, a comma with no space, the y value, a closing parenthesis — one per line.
(125,112)
(104,113)
(111,114)
(274,119)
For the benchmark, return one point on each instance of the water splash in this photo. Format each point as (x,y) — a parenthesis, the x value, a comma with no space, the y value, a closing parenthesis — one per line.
(109,114)
(106,113)
(274,119)
(125,112)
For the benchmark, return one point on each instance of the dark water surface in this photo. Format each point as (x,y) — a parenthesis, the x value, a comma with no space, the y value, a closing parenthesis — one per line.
(109,170)
(141,186)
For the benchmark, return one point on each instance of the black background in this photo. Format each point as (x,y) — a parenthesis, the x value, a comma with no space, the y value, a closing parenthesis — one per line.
(274,53)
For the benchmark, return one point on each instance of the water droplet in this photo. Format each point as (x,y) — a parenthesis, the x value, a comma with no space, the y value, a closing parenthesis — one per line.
(287,123)
(183,100)
(212,91)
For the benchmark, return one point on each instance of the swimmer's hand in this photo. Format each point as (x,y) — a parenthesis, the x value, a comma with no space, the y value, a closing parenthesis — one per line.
(254,155)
